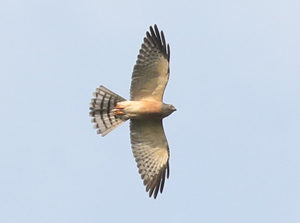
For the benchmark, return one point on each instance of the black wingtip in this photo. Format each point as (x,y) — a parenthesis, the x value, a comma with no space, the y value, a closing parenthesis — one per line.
(157,184)
(158,39)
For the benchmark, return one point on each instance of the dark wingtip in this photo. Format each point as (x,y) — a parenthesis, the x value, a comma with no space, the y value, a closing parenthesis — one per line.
(157,184)
(158,39)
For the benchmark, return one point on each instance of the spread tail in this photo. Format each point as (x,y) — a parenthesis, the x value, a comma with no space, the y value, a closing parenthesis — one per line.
(101,110)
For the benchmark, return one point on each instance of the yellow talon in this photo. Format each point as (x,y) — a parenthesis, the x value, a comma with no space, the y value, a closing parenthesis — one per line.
(119,106)
(118,112)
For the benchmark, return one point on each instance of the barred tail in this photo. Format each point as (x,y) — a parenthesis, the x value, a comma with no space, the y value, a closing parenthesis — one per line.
(101,110)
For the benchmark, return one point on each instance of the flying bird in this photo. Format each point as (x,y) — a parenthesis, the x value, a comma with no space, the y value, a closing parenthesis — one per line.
(145,109)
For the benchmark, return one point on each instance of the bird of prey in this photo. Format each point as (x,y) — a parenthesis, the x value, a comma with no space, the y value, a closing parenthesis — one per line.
(145,109)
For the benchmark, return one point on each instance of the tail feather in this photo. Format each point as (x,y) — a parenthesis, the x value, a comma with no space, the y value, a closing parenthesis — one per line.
(101,110)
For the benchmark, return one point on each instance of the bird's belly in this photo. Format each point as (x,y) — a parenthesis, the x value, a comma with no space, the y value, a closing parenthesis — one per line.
(141,109)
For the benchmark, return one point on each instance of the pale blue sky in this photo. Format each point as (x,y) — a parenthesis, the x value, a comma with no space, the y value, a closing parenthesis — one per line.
(234,139)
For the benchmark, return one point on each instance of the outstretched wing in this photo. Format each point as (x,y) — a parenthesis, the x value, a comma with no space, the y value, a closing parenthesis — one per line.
(151,152)
(151,71)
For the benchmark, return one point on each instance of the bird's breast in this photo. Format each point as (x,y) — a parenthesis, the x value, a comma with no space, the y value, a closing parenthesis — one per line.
(141,109)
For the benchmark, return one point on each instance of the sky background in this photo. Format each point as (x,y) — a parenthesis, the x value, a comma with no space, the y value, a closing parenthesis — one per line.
(234,139)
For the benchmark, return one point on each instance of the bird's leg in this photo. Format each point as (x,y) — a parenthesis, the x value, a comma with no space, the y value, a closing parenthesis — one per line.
(118,106)
(118,112)
(118,109)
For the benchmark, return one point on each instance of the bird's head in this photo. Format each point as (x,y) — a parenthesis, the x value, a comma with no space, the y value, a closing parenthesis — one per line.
(167,109)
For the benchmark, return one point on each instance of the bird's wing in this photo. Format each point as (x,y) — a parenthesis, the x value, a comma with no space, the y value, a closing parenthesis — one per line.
(151,71)
(151,152)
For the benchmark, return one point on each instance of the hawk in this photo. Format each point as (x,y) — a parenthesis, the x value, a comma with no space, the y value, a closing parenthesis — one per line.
(145,109)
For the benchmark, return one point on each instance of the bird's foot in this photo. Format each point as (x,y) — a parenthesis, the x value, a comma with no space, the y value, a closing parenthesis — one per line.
(118,111)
